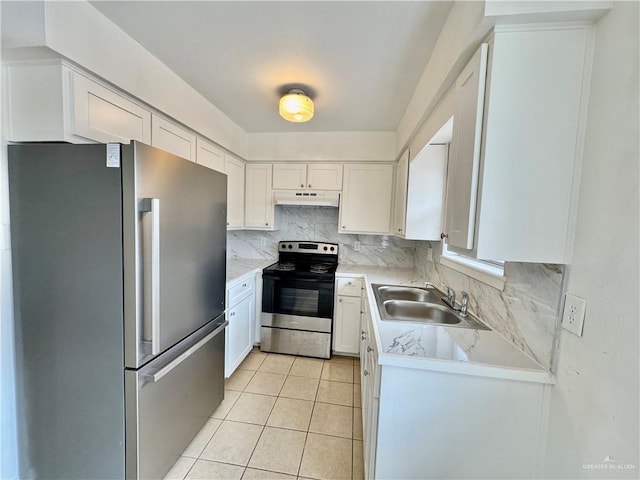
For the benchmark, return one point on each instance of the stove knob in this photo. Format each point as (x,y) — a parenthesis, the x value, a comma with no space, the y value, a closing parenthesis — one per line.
(332,249)
(325,249)
(290,246)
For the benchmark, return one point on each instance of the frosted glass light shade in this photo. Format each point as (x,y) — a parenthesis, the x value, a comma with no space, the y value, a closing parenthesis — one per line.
(295,106)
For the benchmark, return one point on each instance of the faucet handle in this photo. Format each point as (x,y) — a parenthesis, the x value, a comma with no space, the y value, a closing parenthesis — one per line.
(464,303)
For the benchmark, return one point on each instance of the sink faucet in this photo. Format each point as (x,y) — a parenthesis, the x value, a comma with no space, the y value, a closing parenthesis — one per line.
(450,299)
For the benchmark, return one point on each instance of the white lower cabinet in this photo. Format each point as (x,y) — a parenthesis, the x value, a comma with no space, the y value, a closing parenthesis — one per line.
(370,396)
(241,311)
(346,328)
(428,424)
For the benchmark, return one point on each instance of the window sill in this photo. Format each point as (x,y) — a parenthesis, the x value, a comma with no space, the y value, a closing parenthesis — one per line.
(486,275)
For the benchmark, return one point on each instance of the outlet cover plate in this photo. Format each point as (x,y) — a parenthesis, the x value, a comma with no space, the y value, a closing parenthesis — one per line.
(573,314)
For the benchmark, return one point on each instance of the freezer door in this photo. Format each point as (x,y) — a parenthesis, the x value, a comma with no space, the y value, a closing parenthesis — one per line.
(170,399)
(174,229)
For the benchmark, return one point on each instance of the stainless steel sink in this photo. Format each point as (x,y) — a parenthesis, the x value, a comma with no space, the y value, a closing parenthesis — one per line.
(420,312)
(409,293)
(420,305)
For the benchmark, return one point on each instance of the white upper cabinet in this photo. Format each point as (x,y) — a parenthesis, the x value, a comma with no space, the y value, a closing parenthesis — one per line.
(289,176)
(324,176)
(365,206)
(425,193)
(172,138)
(515,155)
(400,197)
(209,155)
(464,162)
(259,207)
(103,115)
(234,168)
(301,176)
(51,102)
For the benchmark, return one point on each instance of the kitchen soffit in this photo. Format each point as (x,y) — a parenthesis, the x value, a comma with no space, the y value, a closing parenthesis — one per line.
(361,61)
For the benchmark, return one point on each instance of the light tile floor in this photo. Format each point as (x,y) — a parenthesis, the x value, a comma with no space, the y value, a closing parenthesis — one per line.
(283,417)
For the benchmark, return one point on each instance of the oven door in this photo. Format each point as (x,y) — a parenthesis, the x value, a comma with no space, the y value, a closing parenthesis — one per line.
(306,297)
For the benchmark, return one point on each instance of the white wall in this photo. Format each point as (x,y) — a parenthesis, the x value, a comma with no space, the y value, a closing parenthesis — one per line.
(319,146)
(79,32)
(594,410)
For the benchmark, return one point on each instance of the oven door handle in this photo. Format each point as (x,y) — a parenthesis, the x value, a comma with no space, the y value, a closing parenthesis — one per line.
(309,280)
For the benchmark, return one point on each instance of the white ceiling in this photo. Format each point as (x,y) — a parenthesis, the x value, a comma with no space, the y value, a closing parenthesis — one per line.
(360,61)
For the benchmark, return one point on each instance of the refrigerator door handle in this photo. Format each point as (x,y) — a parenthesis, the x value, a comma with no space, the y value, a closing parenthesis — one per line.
(152,279)
(183,356)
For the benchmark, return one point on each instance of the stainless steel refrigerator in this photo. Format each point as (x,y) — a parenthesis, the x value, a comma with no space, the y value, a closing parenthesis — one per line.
(119,258)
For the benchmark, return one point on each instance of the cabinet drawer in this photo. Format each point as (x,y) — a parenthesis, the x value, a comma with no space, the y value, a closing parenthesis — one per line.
(239,291)
(351,287)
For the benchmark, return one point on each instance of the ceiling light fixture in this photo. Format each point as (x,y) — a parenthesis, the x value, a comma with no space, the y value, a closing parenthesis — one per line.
(296,106)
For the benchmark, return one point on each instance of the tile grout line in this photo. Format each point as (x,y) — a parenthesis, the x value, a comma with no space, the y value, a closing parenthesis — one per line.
(313,408)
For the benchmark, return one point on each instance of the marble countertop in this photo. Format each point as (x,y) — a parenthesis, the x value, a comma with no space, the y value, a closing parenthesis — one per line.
(239,267)
(438,347)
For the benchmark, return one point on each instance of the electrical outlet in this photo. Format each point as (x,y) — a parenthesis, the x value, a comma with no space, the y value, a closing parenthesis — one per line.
(263,241)
(356,245)
(573,314)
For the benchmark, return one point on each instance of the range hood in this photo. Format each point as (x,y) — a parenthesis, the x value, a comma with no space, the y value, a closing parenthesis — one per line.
(318,199)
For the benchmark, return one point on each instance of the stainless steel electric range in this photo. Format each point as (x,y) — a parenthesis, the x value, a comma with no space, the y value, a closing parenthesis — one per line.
(297,300)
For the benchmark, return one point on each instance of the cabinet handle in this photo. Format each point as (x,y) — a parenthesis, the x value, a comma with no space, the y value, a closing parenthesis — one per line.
(344,227)
(309,185)
(244,284)
(363,332)
(302,185)
(349,283)
(400,230)
(365,373)
(363,337)
(369,349)
(443,236)
(232,314)
(227,223)
(267,224)
(340,300)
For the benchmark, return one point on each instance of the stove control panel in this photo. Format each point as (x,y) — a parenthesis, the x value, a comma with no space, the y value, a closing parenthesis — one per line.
(309,247)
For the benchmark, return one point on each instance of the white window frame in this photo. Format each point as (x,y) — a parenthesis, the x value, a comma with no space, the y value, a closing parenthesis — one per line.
(488,272)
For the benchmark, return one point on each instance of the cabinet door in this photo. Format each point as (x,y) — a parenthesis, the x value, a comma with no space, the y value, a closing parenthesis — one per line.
(234,169)
(239,338)
(172,138)
(209,155)
(324,176)
(365,206)
(400,197)
(464,161)
(102,115)
(289,176)
(425,194)
(346,335)
(259,207)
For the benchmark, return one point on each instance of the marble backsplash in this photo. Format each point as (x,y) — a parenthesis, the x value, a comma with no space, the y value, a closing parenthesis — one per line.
(525,312)
(321,224)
